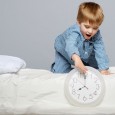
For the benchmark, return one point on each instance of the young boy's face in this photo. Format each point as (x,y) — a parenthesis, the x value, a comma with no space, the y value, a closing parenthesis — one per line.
(88,30)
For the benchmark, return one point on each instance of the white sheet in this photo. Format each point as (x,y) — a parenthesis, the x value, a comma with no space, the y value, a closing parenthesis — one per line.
(40,92)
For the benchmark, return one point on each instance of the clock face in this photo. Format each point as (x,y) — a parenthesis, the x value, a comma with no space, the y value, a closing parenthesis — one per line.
(84,89)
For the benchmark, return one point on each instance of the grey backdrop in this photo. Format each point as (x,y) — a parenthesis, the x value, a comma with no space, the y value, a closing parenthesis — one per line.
(28,28)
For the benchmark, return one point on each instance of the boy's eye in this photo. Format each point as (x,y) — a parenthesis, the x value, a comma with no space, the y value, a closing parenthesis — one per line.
(95,28)
(87,27)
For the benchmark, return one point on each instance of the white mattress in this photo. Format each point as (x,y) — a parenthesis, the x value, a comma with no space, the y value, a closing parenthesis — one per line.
(40,92)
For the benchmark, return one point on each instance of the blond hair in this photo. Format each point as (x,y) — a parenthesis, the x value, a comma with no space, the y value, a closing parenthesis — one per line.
(90,11)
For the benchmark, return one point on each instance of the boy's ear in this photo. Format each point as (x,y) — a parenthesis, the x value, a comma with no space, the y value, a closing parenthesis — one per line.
(78,22)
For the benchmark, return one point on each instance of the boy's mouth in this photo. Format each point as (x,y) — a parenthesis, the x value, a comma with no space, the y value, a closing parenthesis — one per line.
(88,35)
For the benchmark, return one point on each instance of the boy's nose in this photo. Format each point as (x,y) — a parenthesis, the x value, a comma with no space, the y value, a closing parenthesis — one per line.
(90,30)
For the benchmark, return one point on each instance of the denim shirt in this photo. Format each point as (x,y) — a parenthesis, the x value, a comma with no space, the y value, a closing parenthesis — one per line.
(72,41)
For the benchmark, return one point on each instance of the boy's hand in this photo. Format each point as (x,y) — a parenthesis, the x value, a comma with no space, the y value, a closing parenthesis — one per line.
(105,72)
(78,63)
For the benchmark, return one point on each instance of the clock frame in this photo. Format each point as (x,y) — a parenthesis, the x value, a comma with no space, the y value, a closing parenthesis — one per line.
(84,89)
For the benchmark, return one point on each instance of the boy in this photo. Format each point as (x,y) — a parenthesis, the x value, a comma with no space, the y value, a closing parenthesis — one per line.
(81,45)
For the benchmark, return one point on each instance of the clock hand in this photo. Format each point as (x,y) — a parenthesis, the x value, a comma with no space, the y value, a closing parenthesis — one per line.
(84,79)
(86,87)
(85,75)
(82,87)
(82,84)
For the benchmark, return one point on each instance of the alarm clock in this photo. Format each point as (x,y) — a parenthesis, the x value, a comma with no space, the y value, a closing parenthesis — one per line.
(84,89)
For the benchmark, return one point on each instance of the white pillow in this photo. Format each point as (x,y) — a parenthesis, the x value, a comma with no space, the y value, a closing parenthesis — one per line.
(10,64)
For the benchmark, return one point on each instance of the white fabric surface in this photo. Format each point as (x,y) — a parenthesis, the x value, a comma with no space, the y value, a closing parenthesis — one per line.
(11,64)
(40,92)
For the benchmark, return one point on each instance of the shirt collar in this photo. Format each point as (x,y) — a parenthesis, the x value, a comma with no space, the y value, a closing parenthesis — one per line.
(81,36)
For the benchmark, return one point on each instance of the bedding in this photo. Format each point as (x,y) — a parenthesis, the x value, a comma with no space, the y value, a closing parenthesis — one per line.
(40,92)
(11,64)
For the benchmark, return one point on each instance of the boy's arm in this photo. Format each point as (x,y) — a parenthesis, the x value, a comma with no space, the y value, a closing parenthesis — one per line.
(100,54)
(78,63)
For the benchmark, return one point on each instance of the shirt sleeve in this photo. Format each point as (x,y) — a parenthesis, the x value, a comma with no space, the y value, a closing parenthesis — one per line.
(71,44)
(100,53)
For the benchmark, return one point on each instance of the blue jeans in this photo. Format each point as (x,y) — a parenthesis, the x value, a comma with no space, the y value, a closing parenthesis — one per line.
(62,65)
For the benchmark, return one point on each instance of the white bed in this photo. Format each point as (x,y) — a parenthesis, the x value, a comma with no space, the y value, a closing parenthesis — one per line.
(40,92)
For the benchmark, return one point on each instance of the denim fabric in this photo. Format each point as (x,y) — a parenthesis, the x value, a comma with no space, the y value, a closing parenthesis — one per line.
(61,64)
(72,41)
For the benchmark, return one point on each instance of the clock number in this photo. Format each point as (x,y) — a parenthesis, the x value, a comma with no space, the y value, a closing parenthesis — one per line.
(91,76)
(73,91)
(78,95)
(84,98)
(74,80)
(97,86)
(72,85)
(95,92)
(95,80)
(90,96)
